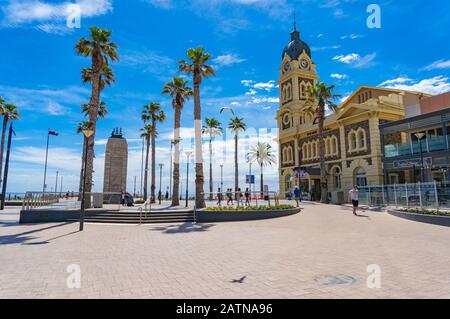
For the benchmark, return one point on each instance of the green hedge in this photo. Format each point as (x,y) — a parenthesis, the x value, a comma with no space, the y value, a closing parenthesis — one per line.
(248,208)
(426,212)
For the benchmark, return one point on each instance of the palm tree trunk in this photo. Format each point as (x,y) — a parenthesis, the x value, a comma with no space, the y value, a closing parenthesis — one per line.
(210,169)
(323,173)
(153,186)
(199,177)
(176,162)
(262,181)
(94,102)
(236,164)
(5,124)
(80,188)
(146,170)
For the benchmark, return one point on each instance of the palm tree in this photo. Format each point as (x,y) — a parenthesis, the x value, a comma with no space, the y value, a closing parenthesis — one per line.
(101,50)
(107,76)
(146,133)
(9,113)
(236,125)
(212,128)
(102,112)
(197,67)
(152,112)
(322,96)
(180,93)
(263,155)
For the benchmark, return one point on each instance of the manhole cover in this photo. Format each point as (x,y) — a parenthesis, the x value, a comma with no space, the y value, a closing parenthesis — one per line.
(337,280)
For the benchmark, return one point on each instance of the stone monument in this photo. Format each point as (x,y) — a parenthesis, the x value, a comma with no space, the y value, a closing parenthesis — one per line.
(116,163)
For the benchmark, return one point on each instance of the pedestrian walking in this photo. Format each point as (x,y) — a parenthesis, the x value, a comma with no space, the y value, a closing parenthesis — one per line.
(297,195)
(353,195)
(219,197)
(247,197)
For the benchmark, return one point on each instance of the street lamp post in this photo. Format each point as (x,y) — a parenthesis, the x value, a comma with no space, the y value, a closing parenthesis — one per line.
(56,182)
(87,134)
(54,133)
(160,183)
(142,167)
(221,177)
(420,136)
(188,155)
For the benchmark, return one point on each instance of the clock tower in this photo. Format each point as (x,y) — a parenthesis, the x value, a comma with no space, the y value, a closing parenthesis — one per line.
(297,75)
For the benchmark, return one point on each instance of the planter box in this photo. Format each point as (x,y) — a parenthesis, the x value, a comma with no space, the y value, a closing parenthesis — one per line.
(429,219)
(234,216)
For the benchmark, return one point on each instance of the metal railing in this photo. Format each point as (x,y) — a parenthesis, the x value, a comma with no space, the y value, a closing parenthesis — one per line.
(418,195)
(71,201)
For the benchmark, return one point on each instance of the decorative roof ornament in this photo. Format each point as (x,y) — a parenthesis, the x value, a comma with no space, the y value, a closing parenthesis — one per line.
(117,133)
(296,47)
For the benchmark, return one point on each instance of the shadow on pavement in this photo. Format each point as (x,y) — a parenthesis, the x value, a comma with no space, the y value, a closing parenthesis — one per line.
(183,228)
(24,239)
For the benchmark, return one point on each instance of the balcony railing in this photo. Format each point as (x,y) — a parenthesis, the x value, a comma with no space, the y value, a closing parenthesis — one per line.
(432,144)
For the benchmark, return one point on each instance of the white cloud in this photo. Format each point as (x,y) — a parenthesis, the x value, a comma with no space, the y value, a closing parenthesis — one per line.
(398,80)
(56,109)
(356,61)
(438,65)
(227,60)
(339,76)
(150,62)
(247,83)
(351,36)
(331,47)
(268,86)
(259,100)
(435,85)
(29,11)
(251,92)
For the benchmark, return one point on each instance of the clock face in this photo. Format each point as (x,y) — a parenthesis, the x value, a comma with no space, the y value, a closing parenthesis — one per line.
(287,67)
(304,64)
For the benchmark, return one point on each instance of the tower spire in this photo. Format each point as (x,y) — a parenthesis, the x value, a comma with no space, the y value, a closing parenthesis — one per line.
(295,22)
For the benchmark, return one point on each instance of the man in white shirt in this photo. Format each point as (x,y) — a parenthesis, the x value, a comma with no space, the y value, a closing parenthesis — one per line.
(353,195)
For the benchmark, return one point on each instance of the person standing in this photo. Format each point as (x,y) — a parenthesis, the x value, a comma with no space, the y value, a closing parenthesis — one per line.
(297,195)
(247,197)
(229,197)
(353,195)
(239,197)
(219,197)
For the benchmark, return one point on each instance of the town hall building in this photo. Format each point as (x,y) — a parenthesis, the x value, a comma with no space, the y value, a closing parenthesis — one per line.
(353,150)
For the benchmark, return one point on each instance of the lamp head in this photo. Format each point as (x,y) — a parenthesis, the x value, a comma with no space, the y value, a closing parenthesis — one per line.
(419,135)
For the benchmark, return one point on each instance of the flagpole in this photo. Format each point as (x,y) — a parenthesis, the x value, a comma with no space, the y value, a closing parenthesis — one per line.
(46,159)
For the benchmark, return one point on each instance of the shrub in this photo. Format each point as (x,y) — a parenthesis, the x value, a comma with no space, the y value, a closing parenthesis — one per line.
(426,212)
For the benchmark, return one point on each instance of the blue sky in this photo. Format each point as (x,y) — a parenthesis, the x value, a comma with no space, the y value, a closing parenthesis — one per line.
(40,72)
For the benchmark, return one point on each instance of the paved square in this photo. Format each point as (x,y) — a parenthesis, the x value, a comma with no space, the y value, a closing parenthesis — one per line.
(292,257)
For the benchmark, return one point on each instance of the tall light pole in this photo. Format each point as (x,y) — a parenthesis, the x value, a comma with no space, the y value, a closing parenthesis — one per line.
(420,136)
(54,133)
(56,182)
(188,155)
(5,176)
(160,182)
(61,186)
(221,177)
(87,134)
(172,142)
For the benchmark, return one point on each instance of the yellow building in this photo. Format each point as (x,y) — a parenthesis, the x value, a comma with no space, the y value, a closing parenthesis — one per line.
(352,136)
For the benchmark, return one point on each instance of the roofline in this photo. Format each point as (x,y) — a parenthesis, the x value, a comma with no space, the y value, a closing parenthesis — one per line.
(385,89)
(415,118)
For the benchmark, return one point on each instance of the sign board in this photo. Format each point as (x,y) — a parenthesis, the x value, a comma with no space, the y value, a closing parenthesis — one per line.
(301,173)
(408,163)
(250,179)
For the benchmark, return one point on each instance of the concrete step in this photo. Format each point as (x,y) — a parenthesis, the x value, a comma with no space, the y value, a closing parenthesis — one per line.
(148,221)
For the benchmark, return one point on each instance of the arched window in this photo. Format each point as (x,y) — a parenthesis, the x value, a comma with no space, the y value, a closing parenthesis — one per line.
(288,182)
(352,142)
(327,146)
(361,139)
(336,172)
(334,145)
(303,90)
(360,177)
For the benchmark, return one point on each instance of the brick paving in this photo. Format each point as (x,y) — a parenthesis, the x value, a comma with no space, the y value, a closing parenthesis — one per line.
(290,257)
